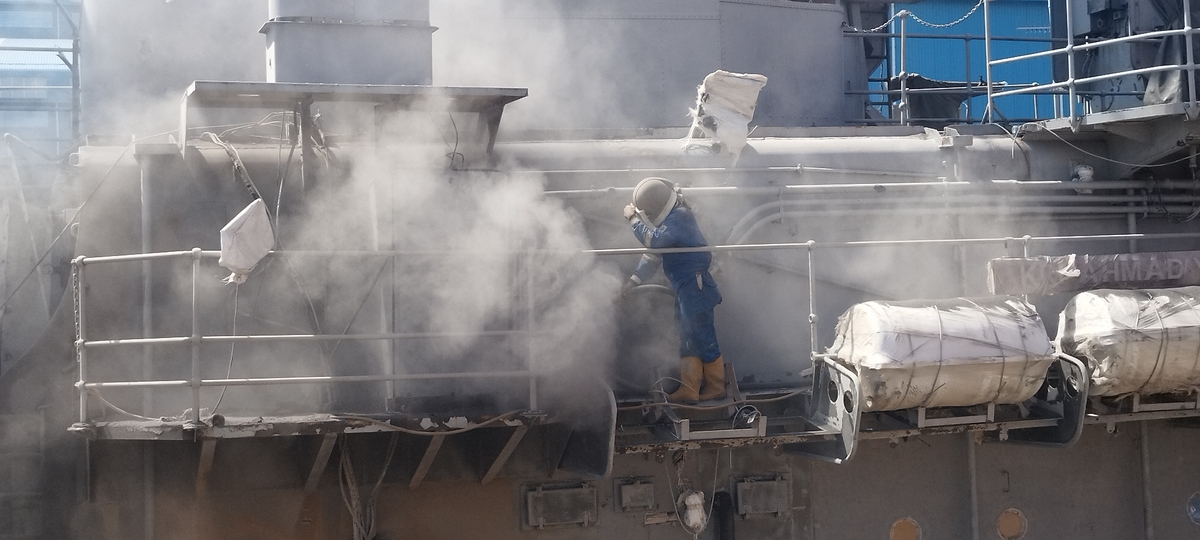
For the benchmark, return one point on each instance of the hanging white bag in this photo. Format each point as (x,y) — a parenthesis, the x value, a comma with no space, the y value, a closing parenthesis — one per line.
(245,240)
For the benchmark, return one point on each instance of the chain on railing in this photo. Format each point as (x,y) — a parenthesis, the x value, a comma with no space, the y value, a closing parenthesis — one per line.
(903,16)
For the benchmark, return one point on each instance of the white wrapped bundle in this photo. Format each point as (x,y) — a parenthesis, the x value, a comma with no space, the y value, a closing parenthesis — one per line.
(1144,341)
(944,353)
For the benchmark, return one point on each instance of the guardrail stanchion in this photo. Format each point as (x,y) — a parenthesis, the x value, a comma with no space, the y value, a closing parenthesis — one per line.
(967,75)
(195,380)
(529,334)
(78,289)
(1070,50)
(812,295)
(1191,59)
(987,61)
(904,109)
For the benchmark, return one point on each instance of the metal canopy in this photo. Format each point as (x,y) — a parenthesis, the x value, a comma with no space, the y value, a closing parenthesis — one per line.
(489,102)
(265,94)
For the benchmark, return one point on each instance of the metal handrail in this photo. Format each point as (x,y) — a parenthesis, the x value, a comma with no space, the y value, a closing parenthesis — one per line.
(195,382)
(904,117)
(1069,87)
(1072,83)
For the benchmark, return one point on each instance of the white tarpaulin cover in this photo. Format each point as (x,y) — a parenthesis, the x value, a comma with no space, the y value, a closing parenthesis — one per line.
(725,105)
(944,353)
(1145,341)
(245,240)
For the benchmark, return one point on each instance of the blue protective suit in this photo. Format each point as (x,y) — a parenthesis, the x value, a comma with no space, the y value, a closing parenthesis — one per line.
(696,292)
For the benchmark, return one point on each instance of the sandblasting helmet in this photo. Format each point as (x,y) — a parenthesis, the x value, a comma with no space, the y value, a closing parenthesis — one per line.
(654,198)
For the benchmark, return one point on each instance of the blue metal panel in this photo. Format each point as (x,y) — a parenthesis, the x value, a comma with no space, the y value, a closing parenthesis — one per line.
(953,59)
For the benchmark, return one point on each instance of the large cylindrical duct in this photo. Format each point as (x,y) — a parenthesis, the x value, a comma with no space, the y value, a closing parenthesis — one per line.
(349,41)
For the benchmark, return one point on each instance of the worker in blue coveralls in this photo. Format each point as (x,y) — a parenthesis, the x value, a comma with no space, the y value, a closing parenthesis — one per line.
(662,219)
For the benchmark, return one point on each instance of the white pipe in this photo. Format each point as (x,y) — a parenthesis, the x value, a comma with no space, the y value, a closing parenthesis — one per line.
(808,189)
(974,210)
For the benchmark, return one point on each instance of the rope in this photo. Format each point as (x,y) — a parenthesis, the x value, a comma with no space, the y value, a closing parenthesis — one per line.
(941,357)
(1192,308)
(1162,340)
(912,351)
(999,348)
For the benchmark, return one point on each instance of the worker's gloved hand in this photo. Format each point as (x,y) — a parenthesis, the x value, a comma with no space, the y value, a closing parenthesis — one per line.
(627,286)
(629,212)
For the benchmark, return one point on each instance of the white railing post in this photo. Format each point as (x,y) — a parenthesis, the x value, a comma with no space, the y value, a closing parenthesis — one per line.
(1070,50)
(904,112)
(530,321)
(987,60)
(1191,60)
(812,299)
(195,380)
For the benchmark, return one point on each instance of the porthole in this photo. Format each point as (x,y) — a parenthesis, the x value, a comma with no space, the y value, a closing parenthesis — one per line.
(905,529)
(1011,524)
(833,391)
(848,401)
(1193,508)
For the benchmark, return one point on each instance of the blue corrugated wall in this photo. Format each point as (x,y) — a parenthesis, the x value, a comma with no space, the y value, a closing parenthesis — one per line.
(946,59)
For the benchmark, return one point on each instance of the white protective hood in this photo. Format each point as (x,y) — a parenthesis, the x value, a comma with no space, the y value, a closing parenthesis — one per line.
(944,353)
(1145,341)
(725,105)
(245,240)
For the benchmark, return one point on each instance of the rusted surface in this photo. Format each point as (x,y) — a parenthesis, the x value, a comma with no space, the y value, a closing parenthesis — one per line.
(287,426)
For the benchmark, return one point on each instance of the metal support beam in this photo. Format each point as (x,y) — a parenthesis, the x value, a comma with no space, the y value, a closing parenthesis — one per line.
(308,156)
(435,444)
(318,468)
(208,450)
(505,453)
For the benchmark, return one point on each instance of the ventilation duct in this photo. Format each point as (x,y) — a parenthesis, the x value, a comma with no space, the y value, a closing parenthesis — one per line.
(349,41)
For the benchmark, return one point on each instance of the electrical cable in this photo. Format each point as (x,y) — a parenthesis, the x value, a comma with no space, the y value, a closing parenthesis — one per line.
(1118,162)
(109,404)
(713,494)
(674,496)
(389,427)
(713,407)
(455,153)
(239,168)
(362,515)
(232,347)
(239,127)
(283,170)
